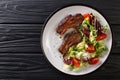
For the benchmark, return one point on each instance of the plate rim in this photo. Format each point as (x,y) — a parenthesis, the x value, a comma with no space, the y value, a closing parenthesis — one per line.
(70,5)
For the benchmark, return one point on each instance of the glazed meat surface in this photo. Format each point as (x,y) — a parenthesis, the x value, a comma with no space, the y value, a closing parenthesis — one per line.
(71,21)
(71,39)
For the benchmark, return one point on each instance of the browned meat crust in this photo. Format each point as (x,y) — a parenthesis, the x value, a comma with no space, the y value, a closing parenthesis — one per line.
(71,21)
(71,39)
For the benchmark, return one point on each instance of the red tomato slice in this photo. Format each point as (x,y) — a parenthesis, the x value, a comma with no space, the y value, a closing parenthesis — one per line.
(101,37)
(90,48)
(87,16)
(75,62)
(93,61)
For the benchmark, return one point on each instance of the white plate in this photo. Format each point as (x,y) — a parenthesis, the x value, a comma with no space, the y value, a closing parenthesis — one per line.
(51,40)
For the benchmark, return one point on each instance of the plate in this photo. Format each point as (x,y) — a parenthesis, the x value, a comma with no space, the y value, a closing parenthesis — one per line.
(51,40)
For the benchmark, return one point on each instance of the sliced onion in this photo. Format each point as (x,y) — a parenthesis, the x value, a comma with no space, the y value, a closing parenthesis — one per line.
(86,32)
(68,61)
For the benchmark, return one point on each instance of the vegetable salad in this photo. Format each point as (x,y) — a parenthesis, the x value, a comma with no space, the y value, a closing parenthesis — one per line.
(90,49)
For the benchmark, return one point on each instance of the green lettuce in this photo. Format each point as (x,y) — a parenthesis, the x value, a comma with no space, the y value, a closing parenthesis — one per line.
(100,47)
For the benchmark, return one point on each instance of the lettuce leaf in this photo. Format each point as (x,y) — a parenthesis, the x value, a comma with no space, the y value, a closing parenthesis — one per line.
(105,28)
(100,47)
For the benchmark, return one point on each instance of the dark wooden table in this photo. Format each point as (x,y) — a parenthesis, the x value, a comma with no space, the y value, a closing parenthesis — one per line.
(21,23)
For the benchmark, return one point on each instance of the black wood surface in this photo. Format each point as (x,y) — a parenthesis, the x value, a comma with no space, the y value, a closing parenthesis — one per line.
(21,23)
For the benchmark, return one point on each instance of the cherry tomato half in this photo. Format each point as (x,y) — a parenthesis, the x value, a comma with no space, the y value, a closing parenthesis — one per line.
(75,62)
(90,48)
(87,16)
(93,61)
(101,36)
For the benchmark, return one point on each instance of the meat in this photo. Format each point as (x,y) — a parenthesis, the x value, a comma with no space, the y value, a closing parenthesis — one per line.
(71,21)
(71,39)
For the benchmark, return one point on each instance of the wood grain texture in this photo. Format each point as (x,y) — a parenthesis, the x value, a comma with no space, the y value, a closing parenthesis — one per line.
(21,56)
(21,24)
(27,38)
(27,68)
(36,11)
(14,36)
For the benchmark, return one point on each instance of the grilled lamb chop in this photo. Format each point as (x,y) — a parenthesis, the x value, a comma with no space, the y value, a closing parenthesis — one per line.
(71,39)
(71,21)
